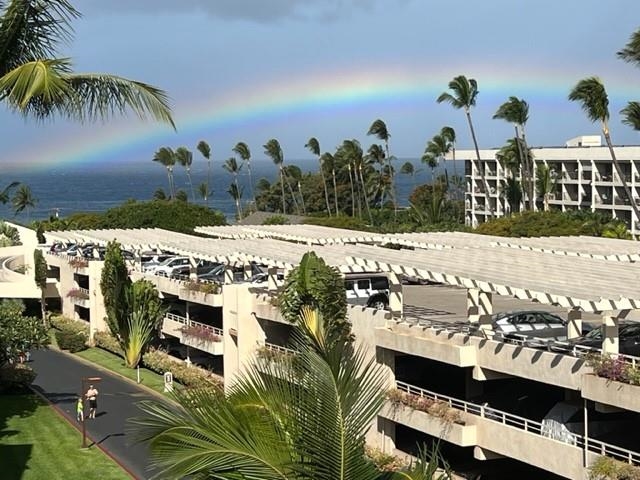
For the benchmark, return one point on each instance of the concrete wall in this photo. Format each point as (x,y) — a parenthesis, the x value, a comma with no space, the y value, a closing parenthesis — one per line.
(609,392)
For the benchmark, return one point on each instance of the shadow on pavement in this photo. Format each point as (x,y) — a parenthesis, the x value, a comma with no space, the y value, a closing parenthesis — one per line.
(105,438)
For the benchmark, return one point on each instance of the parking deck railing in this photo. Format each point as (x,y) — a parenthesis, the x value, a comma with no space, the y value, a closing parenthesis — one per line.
(192,323)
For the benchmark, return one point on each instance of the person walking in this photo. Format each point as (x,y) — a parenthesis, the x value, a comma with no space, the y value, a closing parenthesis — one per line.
(92,396)
(80,409)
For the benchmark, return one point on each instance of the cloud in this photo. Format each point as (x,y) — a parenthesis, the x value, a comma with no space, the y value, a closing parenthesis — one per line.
(261,11)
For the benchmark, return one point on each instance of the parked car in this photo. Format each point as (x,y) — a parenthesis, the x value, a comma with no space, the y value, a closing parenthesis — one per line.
(529,323)
(628,339)
(368,289)
(166,268)
(150,259)
(263,277)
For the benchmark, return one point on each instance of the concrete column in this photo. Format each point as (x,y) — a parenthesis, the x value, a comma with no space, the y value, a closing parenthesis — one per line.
(387,358)
(479,307)
(387,434)
(395,294)
(67,282)
(610,341)
(97,312)
(228,274)
(574,327)
(247,272)
(472,387)
(272,278)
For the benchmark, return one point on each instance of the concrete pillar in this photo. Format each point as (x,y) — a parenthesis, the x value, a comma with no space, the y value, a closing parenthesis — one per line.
(395,294)
(67,282)
(387,358)
(472,387)
(574,325)
(272,278)
(479,307)
(97,312)
(247,272)
(387,435)
(610,341)
(228,274)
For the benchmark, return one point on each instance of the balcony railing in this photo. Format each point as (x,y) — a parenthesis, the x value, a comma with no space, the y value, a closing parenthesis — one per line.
(522,423)
(279,349)
(191,323)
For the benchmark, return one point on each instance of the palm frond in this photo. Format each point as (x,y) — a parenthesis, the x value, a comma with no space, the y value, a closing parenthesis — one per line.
(379,129)
(232,166)
(204,149)
(274,151)
(313,145)
(242,150)
(631,52)
(593,99)
(631,115)
(184,157)
(165,156)
(514,111)
(463,93)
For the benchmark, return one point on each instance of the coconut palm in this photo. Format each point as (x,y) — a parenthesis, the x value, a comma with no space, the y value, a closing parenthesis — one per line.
(592,95)
(166,157)
(431,161)
(233,167)
(314,147)
(463,96)
(449,134)
(242,150)
(294,173)
(545,184)
(159,194)
(511,191)
(236,193)
(376,156)
(631,115)
(203,191)
(273,150)
(328,161)
(379,129)
(407,168)
(439,147)
(185,158)
(205,150)
(631,52)
(352,155)
(36,82)
(23,200)
(516,111)
(6,192)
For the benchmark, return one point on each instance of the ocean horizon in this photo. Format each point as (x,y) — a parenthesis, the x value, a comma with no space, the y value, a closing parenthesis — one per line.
(73,189)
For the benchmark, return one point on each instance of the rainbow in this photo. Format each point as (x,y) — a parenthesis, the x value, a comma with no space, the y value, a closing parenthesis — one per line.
(309,94)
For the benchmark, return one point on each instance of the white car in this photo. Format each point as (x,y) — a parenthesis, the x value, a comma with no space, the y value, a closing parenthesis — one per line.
(167,268)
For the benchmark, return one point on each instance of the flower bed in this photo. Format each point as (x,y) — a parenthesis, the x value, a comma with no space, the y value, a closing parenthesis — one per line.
(201,333)
(614,368)
(78,293)
(79,263)
(606,468)
(203,287)
(424,404)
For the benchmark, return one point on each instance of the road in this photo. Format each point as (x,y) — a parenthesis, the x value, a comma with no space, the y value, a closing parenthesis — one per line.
(59,379)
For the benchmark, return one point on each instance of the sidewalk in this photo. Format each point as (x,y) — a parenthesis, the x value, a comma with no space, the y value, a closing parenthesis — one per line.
(59,380)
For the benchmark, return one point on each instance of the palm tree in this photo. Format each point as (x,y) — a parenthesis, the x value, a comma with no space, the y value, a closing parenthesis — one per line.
(376,155)
(439,147)
(159,194)
(449,134)
(465,92)
(631,115)
(328,161)
(242,150)
(511,191)
(23,200)
(379,129)
(6,192)
(631,52)
(314,147)
(203,191)
(233,167)
(166,157)
(205,150)
(294,172)
(516,111)
(35,82)
(592,95)
(185,158)
(431,161)
(545,184)
(273,150)
(236,193)
(407,168)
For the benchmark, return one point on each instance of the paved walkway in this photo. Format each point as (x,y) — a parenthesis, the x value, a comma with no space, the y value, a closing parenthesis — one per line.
(59,379)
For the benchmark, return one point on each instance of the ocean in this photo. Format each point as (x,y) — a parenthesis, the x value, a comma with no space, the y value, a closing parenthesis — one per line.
(97,189)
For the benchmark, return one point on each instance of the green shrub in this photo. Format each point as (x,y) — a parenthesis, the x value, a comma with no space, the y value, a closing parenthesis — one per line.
(16,378)
(107,342)
(606,468)
(73,341)
(188,375)
(276,220)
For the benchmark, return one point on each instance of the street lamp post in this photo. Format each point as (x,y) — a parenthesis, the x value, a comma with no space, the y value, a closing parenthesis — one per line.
(83,389)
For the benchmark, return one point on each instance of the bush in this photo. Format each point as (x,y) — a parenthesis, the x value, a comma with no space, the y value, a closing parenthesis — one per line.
(433,407)
(606,468)
(71,335)
(16,378)
(107,342)
(188,375)
(276,220)
(614,368)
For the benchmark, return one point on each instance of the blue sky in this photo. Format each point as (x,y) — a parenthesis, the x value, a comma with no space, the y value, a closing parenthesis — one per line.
(250,70)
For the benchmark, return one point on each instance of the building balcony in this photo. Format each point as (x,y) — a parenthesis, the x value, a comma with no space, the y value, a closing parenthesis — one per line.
(609,392)
(204,293)
(194,334)
(80,297)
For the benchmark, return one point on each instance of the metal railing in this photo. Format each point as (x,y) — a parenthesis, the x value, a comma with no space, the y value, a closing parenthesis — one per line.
(84,290)
(192,323)
(522,423)
(280,349)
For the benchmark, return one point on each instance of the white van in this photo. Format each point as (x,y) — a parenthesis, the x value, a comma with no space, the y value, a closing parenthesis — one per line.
(368,289)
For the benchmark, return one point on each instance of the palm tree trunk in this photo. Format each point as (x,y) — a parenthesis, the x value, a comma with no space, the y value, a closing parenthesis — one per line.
(625,186)
(293,197)
(253,195)
(353,200)
(193,194)
(284,207)
(304,209)
(206,198)
(169,179)
(527,180)
(43,307)
(393,182)
(484,180)
(335,192)
(326,191)
(530,173)
(366,198)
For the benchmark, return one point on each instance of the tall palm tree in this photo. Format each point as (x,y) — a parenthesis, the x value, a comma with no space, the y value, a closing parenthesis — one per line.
(516,111)
(273,150)
(205,150)
(592,96)
(294,172)
(439,147)
(463,96)
(449,134)
(166,157)
(185,158)
(631,52)
(545,184)
(314,147)
(23,199)
(407,168)
(328,161)
(233,167)
(236,193)
(631,115)
(379,129)
(376,156)
(352,154)
(6,192)
(431,161)
(36,82)
(242,150)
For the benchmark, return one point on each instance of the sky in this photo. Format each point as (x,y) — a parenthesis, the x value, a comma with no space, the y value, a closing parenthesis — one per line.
(251,70)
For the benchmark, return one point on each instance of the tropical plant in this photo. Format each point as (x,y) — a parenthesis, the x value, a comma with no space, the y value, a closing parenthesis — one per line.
(592,96)
(431,161)
(36,82)
(463,96)
(294,173)
(449,134)
(631,52)
(114,283)
(516,111)
(328,161)
(631,115)
(273,150)
(407,168)
(185,158)
(166,157)
(379,129)
(159,194)
(545,184)
(511,190)
(204,192)
(23,199)
(19,333)
(314,147)
(182,196)
(40,277)
(205,150)
(236,194)
(6,192)
(242,150)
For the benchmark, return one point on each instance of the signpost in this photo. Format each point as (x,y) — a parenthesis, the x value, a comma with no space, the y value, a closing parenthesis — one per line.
(83,389)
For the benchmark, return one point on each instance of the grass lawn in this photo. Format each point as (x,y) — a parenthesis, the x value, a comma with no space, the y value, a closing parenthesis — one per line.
(36,444)
(116,364)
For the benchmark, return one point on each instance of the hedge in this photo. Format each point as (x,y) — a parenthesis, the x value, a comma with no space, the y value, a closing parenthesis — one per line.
(107,342)
(71,335)
(188,375)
